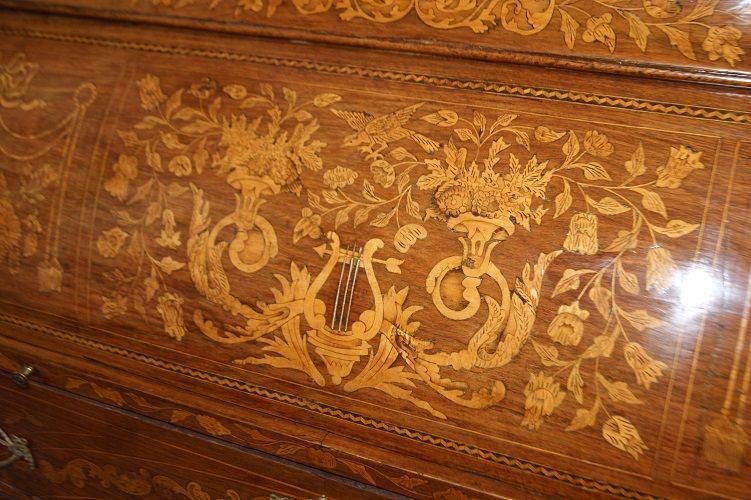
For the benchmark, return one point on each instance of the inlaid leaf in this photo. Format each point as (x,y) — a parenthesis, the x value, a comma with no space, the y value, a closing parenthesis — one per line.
(496,147)
(563,200)
(607,206)
(213,426)
(601,297)
(342,216)
(465,134)
(360,470)
(652,201)
(323,100)
(400,154)
(618,391)
(186,114)
(153,159)
(382,219)
(575,383)
(571,147)
(679,39)
(548,354)
(402,181)
(332,197)
(480,121)
(676,228)
(522,138)
(637,30)
(129,138)
(173,103)
(442,118)
(503,121)
(150,122)
(635,166)
(407,482)
(628,281)
(361,215)
(594,171)
(153,213)
(544,134)
(253,101)
(198,127)
(703,8)
(569,27)
(584,418)
(236,92)
(142,192)
(289,449)
(413,208)
(368,191)
(315,201)
(393,265)
(178,416)
(169,265)
(640,319)
(622,434)
(570,280)
(267,90)
(602,346)
(624,240)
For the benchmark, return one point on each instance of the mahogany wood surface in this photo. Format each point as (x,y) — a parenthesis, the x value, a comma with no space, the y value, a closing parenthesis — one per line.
(442,278)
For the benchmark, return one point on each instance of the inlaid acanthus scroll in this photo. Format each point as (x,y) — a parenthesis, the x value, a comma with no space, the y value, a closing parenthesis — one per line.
(686,27)
(34,177)
(415,171)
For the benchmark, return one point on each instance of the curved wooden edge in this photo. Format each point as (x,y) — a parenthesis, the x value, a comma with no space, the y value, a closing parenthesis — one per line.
(640,69)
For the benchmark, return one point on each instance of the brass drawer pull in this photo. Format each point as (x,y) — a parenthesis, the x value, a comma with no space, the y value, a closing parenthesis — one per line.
(18,449)
(21,377)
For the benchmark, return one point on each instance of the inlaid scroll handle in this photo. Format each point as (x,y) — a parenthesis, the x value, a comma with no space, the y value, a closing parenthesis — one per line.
(18,448)
(21,377)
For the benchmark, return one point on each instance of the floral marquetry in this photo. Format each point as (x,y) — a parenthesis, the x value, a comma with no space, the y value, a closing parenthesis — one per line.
(411,175)
(434,277)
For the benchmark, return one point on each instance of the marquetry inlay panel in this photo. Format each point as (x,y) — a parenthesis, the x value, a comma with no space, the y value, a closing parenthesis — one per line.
(501,272)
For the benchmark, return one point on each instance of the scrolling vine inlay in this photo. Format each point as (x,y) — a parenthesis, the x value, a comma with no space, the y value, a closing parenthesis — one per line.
(686,27)
(426,171)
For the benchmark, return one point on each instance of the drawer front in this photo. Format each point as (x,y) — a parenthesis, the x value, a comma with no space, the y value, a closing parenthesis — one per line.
(467,272)
(704,40)
(81,448)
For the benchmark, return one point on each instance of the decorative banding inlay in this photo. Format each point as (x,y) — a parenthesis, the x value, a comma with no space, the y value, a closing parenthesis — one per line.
(698,112)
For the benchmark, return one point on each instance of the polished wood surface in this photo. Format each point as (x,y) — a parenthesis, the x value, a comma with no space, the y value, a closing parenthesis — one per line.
(463,280)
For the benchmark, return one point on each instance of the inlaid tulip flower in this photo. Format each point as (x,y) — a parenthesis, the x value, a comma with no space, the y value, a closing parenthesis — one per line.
(568,325)
(170,306)
(682,162)
(150,91)
(582,234)
(646,369)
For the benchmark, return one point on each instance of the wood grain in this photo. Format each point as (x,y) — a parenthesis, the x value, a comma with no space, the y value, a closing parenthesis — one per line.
(476,268)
